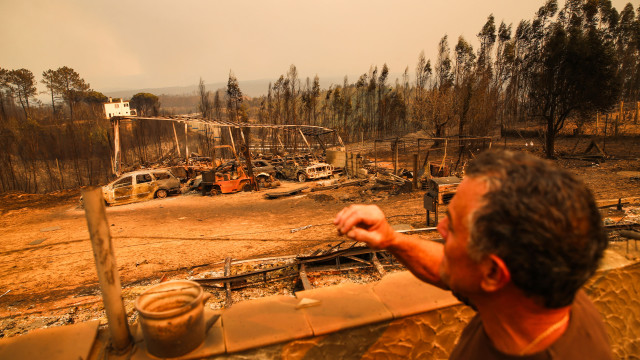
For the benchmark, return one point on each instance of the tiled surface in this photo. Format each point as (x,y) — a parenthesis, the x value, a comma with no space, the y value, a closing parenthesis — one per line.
(213,342)
(62,342)
(404,294)
(262,322)
(343,307)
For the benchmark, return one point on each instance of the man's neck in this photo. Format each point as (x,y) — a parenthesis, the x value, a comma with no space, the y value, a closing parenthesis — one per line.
(517,325)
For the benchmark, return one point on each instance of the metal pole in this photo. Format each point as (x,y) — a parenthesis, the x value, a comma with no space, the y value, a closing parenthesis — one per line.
(107,269)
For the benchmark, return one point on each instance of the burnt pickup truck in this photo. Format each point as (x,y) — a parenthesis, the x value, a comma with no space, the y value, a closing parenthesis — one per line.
(294,171)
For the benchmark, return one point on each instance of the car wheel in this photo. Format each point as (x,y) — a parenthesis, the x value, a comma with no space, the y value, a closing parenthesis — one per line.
(247,187)
(215,191)
(161,194)
(302,177)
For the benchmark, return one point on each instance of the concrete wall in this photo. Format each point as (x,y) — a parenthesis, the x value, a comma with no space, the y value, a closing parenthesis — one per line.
(432,335)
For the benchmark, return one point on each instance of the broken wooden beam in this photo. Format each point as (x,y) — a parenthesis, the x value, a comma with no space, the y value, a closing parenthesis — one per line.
(303,277)
(377,265)
(227,285)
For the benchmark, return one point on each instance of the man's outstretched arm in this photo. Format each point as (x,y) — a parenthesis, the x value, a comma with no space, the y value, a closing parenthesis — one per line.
(368,224)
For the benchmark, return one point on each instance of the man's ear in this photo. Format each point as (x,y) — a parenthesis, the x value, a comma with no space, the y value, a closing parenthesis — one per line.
(495,273)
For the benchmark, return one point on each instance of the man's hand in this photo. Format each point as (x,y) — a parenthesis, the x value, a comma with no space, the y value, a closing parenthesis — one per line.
(365,223)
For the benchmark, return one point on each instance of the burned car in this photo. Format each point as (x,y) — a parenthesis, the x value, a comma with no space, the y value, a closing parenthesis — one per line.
(263,171)
(226,179)
(302,173)
(140,185)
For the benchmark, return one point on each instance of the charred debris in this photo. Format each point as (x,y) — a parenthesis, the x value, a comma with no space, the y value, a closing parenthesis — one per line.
(234,157)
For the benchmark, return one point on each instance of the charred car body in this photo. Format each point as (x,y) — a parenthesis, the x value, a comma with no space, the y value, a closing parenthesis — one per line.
(140,185)
(226,178)
(295,171)
(263,171)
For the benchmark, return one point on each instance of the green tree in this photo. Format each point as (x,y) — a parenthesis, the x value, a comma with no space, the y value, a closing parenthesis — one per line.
(146,104)
(627,49)
(93,97)
(49,81)
(234,98)
(69,84)
(382,90)
(292,76)
(487,37)
(217,107)
(23,85)
(576,70)
(314,97)
(5,93)
(205,106)
(463,75)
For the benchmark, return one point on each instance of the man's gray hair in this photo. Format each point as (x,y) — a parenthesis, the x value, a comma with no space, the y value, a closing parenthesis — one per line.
(540,220)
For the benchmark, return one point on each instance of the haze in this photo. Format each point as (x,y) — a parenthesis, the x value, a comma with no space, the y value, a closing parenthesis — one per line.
(120,45)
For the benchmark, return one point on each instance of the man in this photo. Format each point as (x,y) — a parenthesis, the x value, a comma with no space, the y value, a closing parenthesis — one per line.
(521,238)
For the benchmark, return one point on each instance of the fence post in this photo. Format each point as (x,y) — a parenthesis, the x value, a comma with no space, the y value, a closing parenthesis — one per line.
(108,276)
(415,171)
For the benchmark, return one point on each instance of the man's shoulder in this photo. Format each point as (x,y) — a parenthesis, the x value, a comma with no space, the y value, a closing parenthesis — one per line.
(585,338)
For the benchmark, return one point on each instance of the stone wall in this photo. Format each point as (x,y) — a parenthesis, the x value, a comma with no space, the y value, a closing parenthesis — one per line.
(432,335)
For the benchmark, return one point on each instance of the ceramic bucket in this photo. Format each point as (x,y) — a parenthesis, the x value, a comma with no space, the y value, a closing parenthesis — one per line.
(172,317)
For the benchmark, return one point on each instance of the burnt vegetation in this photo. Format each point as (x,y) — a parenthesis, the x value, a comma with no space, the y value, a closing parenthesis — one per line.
(577,65)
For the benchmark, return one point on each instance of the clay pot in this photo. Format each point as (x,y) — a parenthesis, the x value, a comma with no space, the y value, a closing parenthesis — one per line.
(172,317)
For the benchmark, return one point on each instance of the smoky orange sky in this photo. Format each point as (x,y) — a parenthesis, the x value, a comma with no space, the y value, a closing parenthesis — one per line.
(118,45)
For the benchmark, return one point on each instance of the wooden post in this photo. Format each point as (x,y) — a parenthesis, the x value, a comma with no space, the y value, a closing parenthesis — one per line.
(186,143)
(418,151)
(604,142)
(305,141)
(346,163)
(597,121)
(175,135)
(375,156)
(415,171)
(233,145)
(116,143)
(60,174)
(395,158)
(227,285)
(107,269)
(247,158)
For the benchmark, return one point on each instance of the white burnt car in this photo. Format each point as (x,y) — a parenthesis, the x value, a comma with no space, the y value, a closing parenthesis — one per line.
(140,185)
(302,173)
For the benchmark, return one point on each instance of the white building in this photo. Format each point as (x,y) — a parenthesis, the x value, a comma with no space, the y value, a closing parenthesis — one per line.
(121,108)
